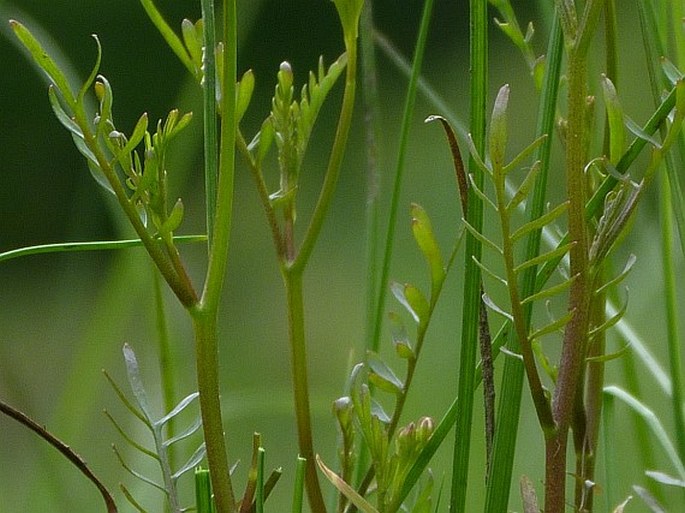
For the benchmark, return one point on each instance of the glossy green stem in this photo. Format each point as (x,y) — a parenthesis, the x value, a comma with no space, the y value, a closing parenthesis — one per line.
(211,145)
(207,366)
(298,348)
(673,328)
(472,276)
(205,314)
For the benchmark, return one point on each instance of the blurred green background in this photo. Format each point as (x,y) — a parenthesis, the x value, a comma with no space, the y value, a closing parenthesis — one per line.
(63,318)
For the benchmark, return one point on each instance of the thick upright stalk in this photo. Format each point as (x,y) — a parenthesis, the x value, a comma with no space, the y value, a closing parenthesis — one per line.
(207,362)
(298,349)
(574,343)
(205,314)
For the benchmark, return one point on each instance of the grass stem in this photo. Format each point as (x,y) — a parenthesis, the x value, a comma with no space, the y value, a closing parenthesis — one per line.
(472,275)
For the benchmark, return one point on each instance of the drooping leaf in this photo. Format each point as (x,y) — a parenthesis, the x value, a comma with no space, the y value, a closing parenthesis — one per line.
(640,133)
(653,423)
(648,499)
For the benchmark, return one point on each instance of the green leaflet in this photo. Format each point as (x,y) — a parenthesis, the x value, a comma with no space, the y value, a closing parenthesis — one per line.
(425,239)
(41,57)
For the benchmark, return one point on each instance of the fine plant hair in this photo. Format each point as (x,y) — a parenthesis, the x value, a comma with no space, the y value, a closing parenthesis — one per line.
(544,315)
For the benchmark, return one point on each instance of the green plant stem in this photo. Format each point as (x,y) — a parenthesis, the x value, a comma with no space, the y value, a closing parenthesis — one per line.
(575,335)
(211,144)
(472,276)
(205,314)
(295,302)
(372,132)
(218,256)
(673,328)
(372,135)
(452,414)
(521,323)
(207,364)
(504,447)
